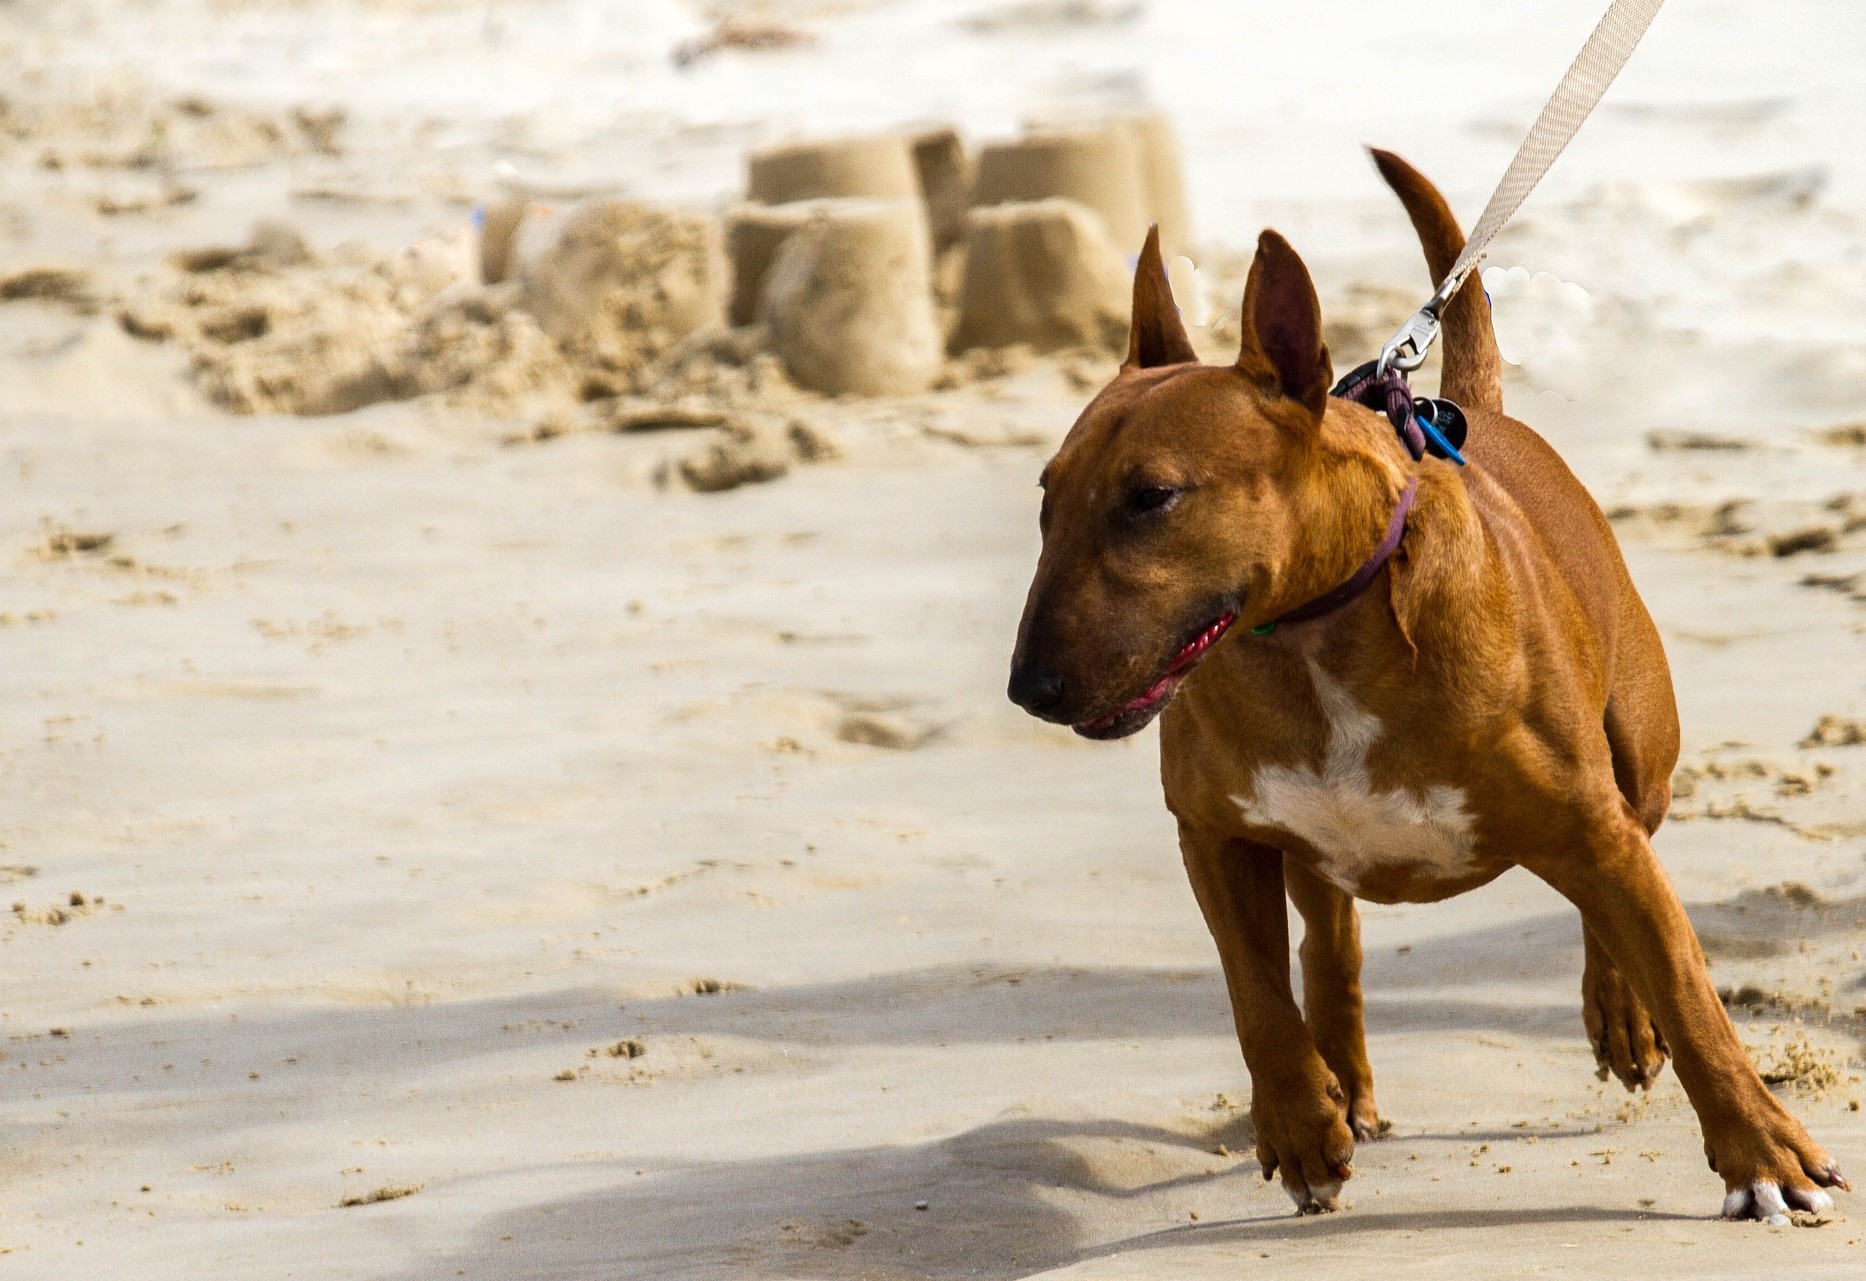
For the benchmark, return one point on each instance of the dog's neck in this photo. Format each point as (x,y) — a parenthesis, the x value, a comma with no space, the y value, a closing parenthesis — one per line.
(1347,592)
(1344,509)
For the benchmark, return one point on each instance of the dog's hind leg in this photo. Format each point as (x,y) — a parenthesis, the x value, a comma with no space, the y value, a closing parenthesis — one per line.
(1642,733)
(1297,1108)
(1642,714)
(1331,991)
(1626,1041)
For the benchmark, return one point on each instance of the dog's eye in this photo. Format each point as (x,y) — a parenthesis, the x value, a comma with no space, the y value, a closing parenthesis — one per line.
(1151,499)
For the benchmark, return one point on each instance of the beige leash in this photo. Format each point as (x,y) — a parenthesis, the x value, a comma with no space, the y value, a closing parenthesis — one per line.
(1594,68)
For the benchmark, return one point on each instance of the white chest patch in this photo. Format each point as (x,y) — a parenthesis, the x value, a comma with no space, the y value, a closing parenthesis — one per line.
(1339,814)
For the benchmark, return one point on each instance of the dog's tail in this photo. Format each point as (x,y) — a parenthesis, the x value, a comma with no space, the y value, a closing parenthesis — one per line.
(1473,371)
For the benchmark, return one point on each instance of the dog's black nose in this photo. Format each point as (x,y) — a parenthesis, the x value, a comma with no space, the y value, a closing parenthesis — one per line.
(1034,689)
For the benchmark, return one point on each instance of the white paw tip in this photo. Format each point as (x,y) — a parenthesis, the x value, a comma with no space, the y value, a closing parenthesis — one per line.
(1319,1199)
(1814,1200)
(1763,1200)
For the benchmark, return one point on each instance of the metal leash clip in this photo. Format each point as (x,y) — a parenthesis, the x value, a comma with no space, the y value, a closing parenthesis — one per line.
(1406,350)
(1606,51)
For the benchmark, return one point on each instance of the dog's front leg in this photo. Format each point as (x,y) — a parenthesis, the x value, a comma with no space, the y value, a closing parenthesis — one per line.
(1297,1107)
(1768,1163)
(1331,991)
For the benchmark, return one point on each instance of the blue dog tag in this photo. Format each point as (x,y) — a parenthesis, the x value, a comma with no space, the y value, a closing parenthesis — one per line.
(1436,442)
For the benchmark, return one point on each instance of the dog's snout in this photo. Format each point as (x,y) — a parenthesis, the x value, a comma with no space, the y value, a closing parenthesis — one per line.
(1035,689)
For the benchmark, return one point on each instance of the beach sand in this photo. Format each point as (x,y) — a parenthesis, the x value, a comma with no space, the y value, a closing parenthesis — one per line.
(442,843)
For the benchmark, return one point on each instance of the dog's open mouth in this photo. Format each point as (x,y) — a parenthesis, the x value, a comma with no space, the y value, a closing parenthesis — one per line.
(1134,715)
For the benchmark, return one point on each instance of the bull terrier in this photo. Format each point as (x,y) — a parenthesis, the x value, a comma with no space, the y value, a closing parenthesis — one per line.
(1379,676)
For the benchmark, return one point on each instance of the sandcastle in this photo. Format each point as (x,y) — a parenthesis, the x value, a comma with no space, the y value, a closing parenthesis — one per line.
(1027,243)
(878,166)
(1041,273)
(1107,160)
(856,266)
(1097,168)
(849,300)
(785,183)
(1164,179)
(945,169)
(754,234)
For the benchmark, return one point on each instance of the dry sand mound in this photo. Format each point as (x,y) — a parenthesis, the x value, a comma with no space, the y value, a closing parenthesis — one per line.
(631,291)
(274,328)
(833,293)
(70,286)
(270,336)
(302,351)
(486,353)
(623,283)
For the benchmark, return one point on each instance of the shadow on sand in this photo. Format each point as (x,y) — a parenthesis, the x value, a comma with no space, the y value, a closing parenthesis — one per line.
(1004,1200)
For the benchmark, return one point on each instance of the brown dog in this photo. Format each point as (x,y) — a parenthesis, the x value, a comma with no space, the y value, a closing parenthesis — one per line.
(1493,695)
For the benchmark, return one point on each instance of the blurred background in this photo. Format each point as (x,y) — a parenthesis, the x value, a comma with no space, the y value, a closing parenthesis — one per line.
(517,516)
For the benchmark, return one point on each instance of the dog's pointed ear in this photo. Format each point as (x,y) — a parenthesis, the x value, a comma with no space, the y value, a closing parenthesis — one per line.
(1156,335)
(1283,351)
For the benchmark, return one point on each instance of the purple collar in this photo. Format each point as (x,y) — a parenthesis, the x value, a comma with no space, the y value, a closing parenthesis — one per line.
(1363,578)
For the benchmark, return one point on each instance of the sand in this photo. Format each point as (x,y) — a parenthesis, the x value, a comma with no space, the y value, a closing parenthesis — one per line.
(375,773)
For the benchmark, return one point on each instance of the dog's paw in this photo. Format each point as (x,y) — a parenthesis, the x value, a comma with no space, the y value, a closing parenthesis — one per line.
(1325,1199)
(1768,1202)
(1627,1043)
(1365,1122)
(1774,1171)
(1303,1136)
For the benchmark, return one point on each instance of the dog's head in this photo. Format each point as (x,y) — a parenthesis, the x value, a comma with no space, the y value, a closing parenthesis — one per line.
(1170,512)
